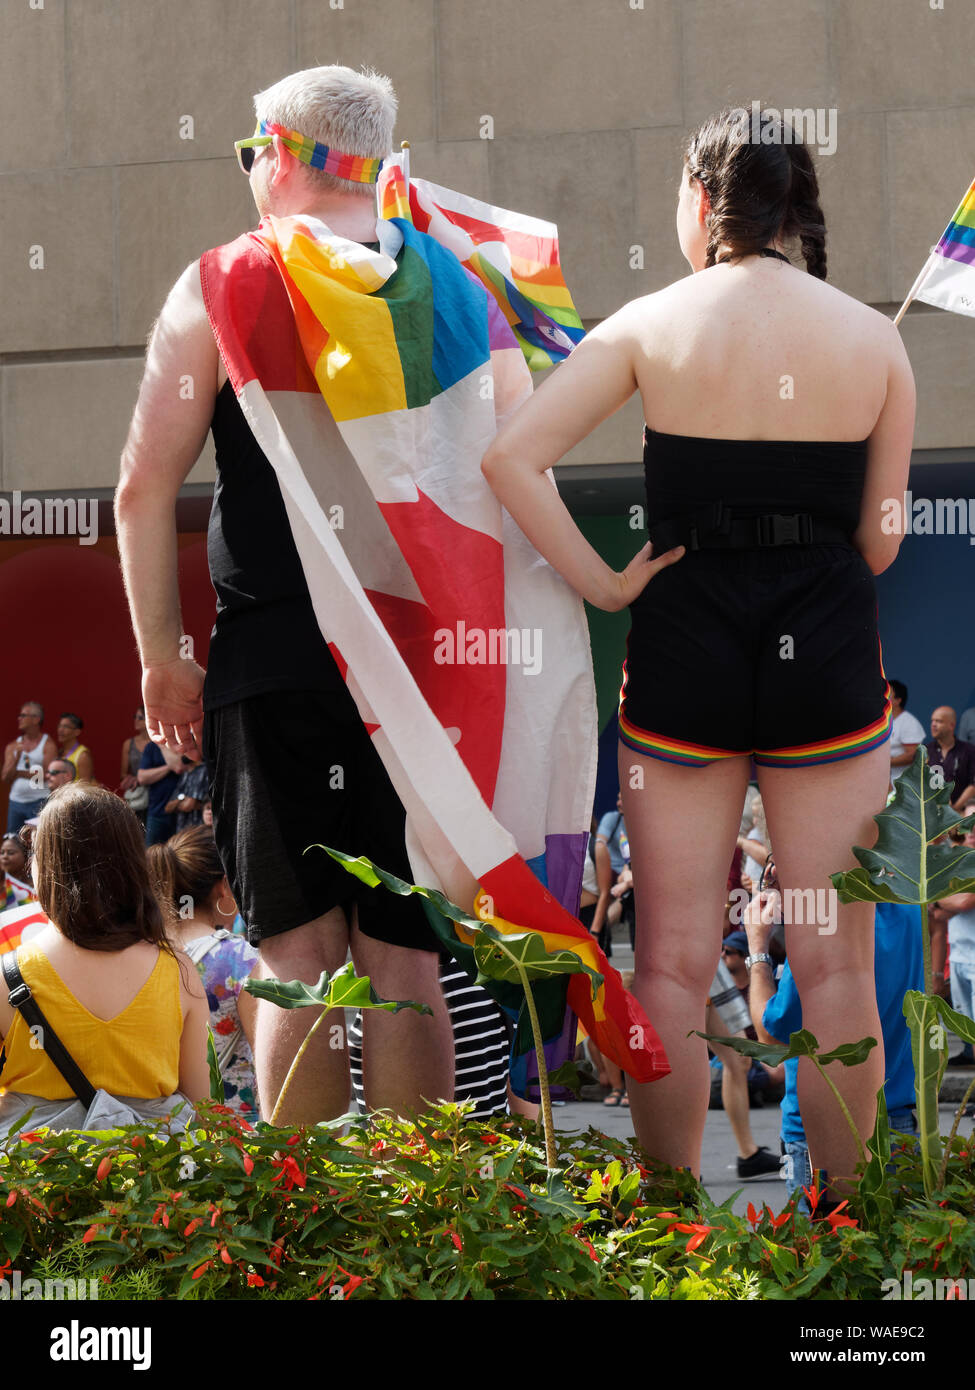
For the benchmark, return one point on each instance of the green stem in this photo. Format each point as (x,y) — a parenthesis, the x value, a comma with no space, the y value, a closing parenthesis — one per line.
(926,944)
(551,1157)
(942,1177)
(843,1106)
(294,1066)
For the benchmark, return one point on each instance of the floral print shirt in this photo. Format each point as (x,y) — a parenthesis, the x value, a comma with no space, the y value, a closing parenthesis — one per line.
(225,961)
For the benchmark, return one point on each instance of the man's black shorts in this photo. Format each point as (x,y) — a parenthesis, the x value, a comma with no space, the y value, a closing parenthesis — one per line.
(291,769)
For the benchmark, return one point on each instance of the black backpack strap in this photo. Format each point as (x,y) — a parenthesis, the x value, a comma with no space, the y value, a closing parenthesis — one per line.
(23,1000)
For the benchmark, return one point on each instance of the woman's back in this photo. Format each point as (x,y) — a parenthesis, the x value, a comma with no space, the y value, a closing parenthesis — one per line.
(122,1023)
(760,350)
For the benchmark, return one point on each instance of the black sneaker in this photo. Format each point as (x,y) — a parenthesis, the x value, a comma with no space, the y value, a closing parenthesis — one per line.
(760,1165)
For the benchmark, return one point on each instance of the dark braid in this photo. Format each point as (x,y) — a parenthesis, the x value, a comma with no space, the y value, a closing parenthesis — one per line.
(757,192)
(805,217)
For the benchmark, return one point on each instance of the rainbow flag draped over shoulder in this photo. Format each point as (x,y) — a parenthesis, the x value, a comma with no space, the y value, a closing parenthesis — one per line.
(515,257)
(374,381)
(948,280)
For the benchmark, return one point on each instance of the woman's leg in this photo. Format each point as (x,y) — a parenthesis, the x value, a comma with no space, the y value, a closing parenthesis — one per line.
(815,815)
(682,824)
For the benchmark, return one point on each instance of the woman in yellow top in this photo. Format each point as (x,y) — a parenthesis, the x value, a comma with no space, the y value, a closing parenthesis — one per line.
(72,748)
(129,1008)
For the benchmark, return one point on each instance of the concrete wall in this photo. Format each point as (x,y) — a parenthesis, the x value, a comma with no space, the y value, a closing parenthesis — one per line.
(590,105)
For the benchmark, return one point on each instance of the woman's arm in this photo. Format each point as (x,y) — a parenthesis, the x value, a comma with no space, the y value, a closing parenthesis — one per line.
(194,1067)
(604,881)
(881,529)
(594,381)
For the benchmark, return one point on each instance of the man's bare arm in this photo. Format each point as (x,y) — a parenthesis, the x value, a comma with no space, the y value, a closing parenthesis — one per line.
(167,433)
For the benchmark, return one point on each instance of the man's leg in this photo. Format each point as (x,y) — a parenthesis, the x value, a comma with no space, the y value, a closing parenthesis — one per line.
(734,1085)
(407,1057)
(319,1089)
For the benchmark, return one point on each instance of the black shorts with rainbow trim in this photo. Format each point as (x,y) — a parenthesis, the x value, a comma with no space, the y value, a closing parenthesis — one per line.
(773,653)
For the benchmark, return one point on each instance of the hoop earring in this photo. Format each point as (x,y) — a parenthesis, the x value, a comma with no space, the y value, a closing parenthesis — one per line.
(223,912)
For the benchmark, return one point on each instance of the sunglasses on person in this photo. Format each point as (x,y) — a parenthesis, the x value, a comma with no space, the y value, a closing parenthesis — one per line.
(352,167)
(246,151)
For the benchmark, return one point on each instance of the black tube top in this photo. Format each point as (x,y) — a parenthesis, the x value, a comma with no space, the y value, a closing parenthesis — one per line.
(754,476)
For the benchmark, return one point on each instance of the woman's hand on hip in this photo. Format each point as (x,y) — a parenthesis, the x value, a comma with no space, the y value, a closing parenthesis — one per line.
(637,575)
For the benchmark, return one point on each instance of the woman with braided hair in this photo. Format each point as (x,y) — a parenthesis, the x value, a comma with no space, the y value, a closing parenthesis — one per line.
(779,415)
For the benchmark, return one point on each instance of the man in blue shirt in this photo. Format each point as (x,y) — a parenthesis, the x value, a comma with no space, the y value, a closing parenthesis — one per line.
(777,1014)
(157,771)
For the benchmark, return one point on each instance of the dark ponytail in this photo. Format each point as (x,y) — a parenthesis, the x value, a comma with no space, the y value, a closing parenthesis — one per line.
(184,872)
(758,192)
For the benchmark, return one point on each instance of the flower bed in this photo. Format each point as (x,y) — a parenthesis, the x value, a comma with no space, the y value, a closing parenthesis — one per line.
(443,1209)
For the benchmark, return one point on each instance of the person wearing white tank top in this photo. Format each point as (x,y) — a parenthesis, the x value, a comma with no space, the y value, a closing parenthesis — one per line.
(25,762)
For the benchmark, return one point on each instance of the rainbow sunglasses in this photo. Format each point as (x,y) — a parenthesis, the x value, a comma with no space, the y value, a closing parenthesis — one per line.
(355,168)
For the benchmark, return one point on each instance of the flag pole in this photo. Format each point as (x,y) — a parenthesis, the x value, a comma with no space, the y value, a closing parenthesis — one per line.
(405,149)
(916,286)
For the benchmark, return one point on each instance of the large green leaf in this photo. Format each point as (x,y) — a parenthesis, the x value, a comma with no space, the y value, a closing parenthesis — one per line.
(503,955)
(216,1077)
(929,1050)
(801,1044)
(878,1206)
(342,990)
(905,866)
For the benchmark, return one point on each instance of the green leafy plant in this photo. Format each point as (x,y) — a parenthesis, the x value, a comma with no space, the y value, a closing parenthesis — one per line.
(440,1208)
(343,989)
(501,957)
(804,1044)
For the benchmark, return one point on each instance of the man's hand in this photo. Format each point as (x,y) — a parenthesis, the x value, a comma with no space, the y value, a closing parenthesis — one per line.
(172,693)
(759,918)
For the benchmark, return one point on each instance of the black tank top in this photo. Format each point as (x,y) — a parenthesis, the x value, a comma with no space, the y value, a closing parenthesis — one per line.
(754,476)
(266,636)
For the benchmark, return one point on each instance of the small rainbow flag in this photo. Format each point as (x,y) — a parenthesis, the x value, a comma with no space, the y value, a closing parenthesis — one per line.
(515,257)
(948,278)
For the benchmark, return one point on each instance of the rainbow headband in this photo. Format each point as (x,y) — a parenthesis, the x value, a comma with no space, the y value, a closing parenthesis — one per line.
(353,167)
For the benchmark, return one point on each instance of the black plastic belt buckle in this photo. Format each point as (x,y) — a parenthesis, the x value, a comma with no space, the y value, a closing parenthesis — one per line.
(20,995)
(785,530)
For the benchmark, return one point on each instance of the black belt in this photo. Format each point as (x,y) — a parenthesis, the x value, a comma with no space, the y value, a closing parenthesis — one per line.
(717,528)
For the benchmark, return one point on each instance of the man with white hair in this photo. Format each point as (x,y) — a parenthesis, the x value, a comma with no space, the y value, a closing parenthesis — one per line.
(274,700)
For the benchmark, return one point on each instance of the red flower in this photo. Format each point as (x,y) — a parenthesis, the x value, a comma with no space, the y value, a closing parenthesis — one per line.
(202,1269)
(294,1139)
(11,1199)
(248,1164)
(89,1235)
(225,1026)
(813,1194)
(289,1174)
(752,1214)
(588,1245)
(104,1168)
(225,1256)
(836,1219)
(456,1239)
(30,1137)
(254,1281)
(193,1225)
(694,1229)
